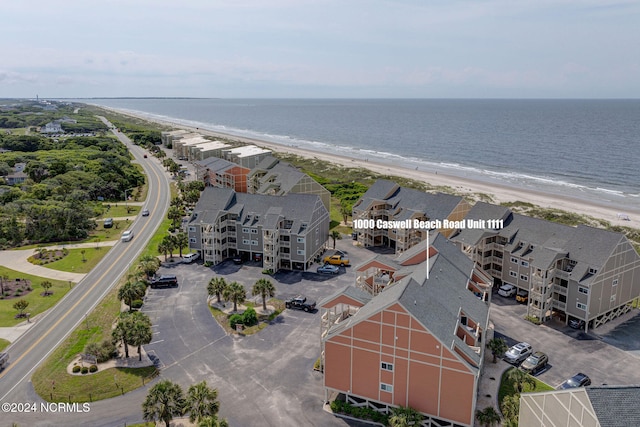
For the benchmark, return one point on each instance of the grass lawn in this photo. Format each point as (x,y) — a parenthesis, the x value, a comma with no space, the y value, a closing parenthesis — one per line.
(336,218)
(119,210)
(4,344)
(73,261)
(507,389)
(263,321)
(37,303)
(85,388)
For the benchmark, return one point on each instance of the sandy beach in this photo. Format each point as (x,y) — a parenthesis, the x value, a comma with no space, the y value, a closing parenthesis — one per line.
(499,193)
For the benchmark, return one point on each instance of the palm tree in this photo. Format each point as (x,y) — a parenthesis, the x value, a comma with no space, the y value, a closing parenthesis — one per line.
(182,241)
(217,286)
(404,417)
(519,379)
(164,401)
(139,332)
(164,249)
(119,334)
(498,346)
(149,264)
(131,291)
(263,287)
(345,211)
(488,417)
(169,243)
(235,292)
(175,215)
(202,402)
(511,407)
(335,235)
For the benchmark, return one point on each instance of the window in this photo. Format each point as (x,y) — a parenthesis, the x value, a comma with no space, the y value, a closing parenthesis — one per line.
(254,231)
(192,240)
(525,264)
(254,243)
(615,282)
(246,230)
(613,298)
(524,277)
(246,242)
(513,274)
(583,290)
(592,271)
(581,306)
(300,251)
(300,239)
(386,387)
(514,260)
(192,229)
(387,366)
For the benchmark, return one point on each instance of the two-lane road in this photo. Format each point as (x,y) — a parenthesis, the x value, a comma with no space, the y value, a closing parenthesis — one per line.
(33,347)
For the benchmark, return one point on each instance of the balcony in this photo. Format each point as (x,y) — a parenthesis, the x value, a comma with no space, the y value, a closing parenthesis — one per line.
(560,289)
(559,305)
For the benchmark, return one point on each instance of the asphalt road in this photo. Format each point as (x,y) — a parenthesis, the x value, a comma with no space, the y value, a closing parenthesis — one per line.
(32,348)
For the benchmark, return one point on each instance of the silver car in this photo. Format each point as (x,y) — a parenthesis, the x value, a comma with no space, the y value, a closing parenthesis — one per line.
(519,352)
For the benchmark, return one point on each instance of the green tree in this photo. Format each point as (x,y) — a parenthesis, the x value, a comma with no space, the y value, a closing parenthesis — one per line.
(216,287)
(235,292)
(202,401)
(5,279)
(175,214)
(119,335)
(345,210)
(182,241)
(163,248)
(149,264)
(46,285)
(498,347)
(335,235)
(21,306)
(213,422)
(164,401)
(405,417)
(169,241)
(511,407)
(264,288)
(139,332)
(519,379)
(131,291)
(488,416)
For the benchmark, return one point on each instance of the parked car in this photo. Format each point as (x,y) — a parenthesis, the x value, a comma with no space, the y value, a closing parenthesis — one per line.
(535,363)
(576,323)
(145,212)
(518,353)
(340,260)
(164,281)
(237,260)
(578,380)
(507,290)
(108,222)
(126,236)
(189,258)
(328,269)
(300,303)
(522,296)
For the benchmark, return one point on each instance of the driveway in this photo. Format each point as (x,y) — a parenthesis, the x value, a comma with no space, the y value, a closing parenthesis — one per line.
(571,351)
(263,379)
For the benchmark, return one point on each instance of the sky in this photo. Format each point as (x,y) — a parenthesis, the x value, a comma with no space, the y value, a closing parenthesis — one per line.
(320,48)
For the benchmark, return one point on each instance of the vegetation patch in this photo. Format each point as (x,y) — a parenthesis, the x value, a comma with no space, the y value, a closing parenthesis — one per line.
(228,321)
(508,388)
(4,344)
(79,260)
(364,413)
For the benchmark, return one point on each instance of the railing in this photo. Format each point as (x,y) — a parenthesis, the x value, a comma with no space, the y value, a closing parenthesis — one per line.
(560,289)
(559,305)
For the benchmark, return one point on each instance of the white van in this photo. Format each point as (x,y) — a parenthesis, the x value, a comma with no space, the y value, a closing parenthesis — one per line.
(126,236)
(189,258)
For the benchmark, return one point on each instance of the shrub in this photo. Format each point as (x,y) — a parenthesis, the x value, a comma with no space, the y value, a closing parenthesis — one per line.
(76,369)
(234,320)
(249,317)
(208,263)
(102,352)
(84,370)
(136,303)
(93,368)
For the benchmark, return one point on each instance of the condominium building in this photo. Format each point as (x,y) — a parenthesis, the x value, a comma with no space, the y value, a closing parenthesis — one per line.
(418,342)
(222,173)
(581,273)
(206,150)
(387,201)
(248,156)
(284,232)
(271,176)
(167,137)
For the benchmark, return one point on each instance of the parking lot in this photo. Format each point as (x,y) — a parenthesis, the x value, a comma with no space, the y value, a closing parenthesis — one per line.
(263,379)
(571,351)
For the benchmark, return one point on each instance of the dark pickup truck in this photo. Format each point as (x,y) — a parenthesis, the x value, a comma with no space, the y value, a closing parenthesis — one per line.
(300,303)
(165,281)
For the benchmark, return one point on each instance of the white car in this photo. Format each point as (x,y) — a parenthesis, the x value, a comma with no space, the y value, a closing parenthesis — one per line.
(126,236)
(189,258)
(507,290)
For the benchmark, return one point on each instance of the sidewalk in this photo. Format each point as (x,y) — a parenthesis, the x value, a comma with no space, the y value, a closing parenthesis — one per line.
(489,383)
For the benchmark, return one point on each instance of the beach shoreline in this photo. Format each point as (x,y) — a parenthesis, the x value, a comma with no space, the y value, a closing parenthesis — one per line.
(500,193)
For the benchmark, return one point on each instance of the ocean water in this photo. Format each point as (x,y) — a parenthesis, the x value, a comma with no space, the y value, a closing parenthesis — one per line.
(589,149)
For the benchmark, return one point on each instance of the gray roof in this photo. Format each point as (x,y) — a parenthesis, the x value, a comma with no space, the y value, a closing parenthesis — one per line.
(435,302)
(350,291)
(215,164)
(406,202)
(615,406)
(282,176)
(255,210)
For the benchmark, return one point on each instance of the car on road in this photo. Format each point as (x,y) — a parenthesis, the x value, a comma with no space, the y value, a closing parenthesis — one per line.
(300,303)
(189,258)
(328,269)
(145,212)
(535,363)
(164,281)
(337,259)
(522,296)
(127,235)
(4,360)
(507,290)
(578,380)
(576,323)
(108,222)
(518,353)
(145,156)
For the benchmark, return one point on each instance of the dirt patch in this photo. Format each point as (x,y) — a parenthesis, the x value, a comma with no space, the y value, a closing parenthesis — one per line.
(16,288)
